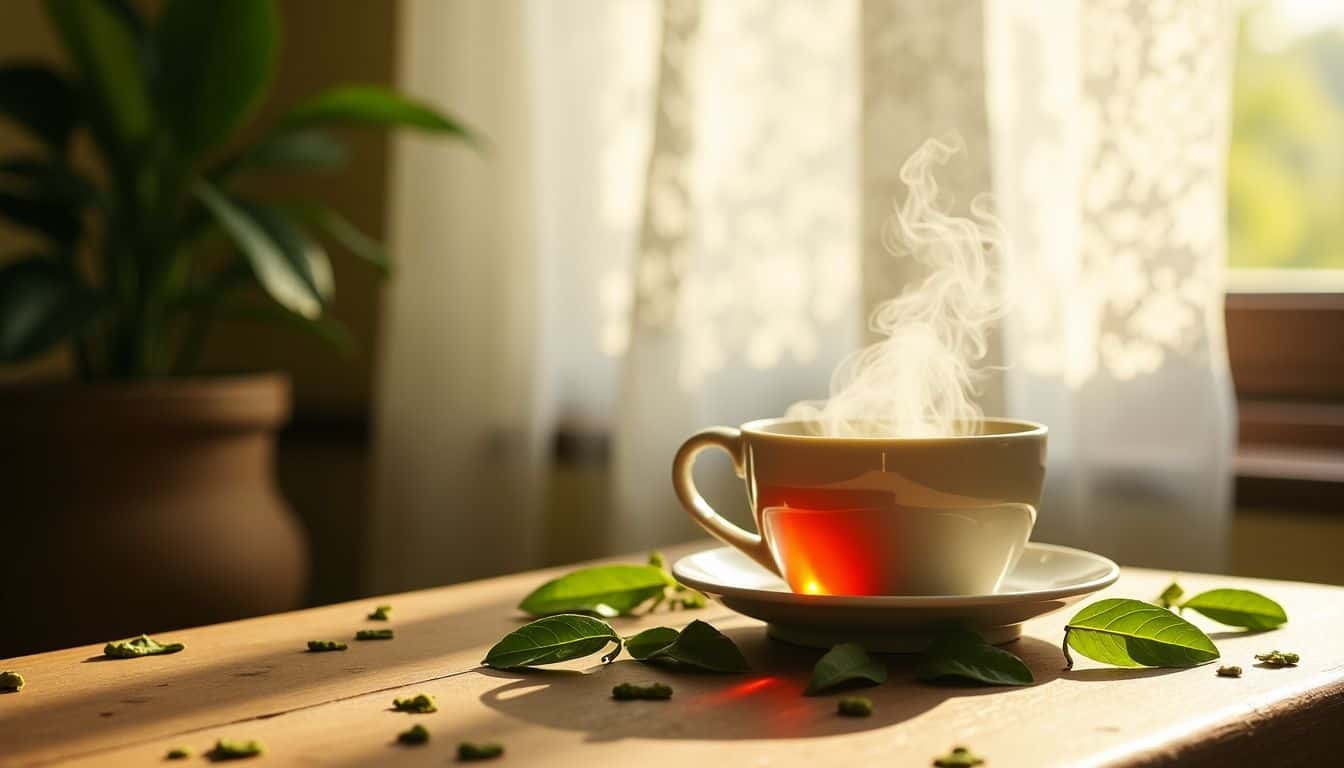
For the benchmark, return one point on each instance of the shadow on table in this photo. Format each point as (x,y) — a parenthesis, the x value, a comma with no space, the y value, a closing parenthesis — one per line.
(766,703)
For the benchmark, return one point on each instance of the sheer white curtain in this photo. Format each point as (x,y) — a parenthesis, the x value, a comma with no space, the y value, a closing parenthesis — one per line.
(677,223)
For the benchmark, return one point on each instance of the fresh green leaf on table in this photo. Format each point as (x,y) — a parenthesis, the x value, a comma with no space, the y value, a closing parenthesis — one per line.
(963,655)
(1238,608)
(844,664)
(646,643)
(552,640)
(1132,633)
(698,646)
(607,590)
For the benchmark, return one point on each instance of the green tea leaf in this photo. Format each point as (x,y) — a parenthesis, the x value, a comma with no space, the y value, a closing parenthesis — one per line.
(607,590)
(416,734)
(11,681)
(962,655)
(845,663)
(469,751)
(854,706)
(641,691)
(1238,608)
(698,646)
(959,757)
(1171,595)
(1132,633)
(552,640)
(231,749)
(650,641)
(421,704)
(143,645)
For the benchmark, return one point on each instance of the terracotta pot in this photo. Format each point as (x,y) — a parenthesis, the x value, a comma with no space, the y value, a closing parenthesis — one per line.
(142,507)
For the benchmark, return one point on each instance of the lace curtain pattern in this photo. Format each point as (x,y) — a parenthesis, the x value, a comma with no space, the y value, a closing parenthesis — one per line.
(691,195)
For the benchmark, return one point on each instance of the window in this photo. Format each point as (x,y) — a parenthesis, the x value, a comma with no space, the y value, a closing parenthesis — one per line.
(1285,306)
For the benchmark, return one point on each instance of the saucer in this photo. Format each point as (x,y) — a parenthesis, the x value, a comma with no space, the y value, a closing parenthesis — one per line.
(1045,579)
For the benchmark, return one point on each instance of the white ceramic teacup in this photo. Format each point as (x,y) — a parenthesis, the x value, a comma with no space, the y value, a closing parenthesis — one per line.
(878,516)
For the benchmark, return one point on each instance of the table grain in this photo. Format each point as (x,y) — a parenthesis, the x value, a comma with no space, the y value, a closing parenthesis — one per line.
(253,679)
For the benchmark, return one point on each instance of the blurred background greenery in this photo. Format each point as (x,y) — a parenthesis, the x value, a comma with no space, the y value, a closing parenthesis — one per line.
(1286,170)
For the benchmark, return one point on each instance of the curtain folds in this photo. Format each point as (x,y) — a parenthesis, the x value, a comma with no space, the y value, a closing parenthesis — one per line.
(678,223)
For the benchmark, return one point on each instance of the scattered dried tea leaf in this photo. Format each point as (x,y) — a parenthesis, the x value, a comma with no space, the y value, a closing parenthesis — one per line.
(1277,659)
(178,753)
(381,613)
(854,706)
(11,681)
(1171,595)
(416,734)
(645,691)
(657,560)
(373,634)
(421,703)
(1229,671)
(228,749)
(959,757)
(143,645)
(469,750)
(322,646)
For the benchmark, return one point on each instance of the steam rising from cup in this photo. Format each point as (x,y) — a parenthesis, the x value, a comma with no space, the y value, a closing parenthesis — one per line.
(920,379)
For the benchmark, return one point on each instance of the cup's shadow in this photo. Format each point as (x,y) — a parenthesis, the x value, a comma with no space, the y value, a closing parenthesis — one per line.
(765,703)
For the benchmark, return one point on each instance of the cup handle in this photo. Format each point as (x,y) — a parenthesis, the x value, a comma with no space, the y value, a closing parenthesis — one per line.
(730,440)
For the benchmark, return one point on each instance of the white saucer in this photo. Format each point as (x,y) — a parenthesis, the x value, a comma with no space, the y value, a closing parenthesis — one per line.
(1047,578)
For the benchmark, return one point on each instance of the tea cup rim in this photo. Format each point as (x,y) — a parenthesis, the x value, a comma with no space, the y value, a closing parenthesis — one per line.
(1018,428)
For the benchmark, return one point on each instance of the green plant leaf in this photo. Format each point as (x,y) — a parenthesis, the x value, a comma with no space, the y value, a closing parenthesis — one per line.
(650,641)
(552,640)
(845,664)
(40,100)
(325,328)
(348,236)
(698,646)
(303,252)
(371,105)
(1132,633)
(1238,608)
(607,590)
(294,151)
(215,62)
(963,655)
(107,53)
(42,303)
(45,196)
(285,280)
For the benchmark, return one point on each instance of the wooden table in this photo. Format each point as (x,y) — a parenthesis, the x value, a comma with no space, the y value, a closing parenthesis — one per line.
(252,680)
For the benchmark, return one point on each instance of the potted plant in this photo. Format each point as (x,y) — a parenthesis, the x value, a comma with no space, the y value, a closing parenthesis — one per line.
(140,495)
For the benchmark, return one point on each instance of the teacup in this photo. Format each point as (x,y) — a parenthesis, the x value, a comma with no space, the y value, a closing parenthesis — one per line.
(876,515)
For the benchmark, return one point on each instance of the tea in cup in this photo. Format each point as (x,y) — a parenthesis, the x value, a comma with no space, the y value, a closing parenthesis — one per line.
(877,515)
